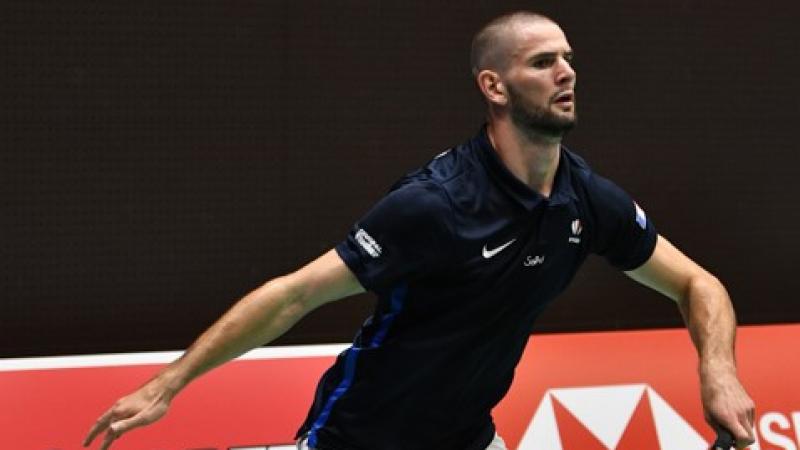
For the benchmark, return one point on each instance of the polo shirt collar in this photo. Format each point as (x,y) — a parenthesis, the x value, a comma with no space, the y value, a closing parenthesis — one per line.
(562,192)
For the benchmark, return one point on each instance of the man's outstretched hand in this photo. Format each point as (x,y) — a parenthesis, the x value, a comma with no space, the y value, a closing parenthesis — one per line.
(142,407)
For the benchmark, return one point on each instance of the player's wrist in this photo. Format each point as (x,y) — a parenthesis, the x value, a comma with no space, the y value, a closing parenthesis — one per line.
(716,368)
(170,381)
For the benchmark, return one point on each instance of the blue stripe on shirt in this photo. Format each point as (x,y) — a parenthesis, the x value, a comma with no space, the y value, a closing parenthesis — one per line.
(397,298)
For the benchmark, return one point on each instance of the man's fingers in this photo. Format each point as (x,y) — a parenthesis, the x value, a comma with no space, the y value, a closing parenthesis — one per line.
(750,418)
(742,433)
(110,436)
(123,426)
(118,428)
(746,422)
(115,430)
(101,424)
(732,425)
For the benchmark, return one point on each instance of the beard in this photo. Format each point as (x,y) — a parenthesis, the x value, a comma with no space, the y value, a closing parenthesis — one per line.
(538,122)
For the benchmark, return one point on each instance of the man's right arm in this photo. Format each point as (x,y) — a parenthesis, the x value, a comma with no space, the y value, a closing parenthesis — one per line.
(258,318)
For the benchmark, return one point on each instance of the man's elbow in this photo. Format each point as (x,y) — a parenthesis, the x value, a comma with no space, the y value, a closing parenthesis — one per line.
(703,285)
(289,293)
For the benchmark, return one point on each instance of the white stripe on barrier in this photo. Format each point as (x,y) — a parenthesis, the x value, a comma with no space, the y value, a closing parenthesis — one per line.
(133,359)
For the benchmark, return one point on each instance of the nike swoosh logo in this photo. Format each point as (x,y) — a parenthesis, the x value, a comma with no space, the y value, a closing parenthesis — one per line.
(489,253)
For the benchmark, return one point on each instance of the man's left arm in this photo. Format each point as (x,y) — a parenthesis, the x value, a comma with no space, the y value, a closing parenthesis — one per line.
(709,316)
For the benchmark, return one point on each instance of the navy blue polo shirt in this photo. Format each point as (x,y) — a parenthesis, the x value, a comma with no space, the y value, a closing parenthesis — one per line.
(463,257)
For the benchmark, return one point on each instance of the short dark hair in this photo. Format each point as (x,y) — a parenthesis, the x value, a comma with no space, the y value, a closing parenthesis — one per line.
(488,44)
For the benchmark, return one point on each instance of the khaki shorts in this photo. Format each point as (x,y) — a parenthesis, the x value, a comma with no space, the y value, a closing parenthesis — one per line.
(496,444)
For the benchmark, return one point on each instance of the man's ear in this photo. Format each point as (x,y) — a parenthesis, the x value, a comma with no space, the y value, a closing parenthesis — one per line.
(492,87)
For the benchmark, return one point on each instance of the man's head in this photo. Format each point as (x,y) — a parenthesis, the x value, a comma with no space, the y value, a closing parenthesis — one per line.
(522,65)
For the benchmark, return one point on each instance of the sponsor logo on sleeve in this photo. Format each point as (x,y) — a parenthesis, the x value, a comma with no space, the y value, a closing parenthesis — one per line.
(368,243)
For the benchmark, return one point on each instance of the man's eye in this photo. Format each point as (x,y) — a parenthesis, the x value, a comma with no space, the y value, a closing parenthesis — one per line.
(543,63)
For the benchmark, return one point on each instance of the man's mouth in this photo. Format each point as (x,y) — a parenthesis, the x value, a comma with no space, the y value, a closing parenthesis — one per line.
(564,98)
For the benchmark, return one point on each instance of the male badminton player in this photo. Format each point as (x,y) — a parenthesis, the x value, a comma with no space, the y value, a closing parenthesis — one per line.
(463,254)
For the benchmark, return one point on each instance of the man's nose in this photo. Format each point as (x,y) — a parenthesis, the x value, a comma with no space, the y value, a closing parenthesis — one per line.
(565,73)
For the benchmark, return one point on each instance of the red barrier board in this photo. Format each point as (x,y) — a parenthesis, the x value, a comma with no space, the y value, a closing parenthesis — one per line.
(586,391)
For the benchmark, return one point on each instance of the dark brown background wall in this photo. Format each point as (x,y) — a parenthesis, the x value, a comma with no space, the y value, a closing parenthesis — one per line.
(159,161)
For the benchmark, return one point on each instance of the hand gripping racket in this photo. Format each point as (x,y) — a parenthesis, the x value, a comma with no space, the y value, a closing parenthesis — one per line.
(725,440)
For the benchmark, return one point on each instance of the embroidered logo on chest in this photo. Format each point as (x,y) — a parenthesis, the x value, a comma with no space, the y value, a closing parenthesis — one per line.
(533,260)
(576,227)
(490,253)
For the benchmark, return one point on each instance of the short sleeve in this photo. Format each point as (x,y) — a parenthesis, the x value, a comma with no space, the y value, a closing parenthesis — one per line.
(623,234)
(404,236)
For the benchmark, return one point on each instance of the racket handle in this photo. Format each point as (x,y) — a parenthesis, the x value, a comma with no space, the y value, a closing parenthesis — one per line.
(725,440)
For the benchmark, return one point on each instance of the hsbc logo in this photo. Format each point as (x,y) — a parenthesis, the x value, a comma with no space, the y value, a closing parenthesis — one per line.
(619,417)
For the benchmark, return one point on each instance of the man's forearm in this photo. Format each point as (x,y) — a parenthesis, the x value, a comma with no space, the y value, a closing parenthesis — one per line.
(709,316)
(258,318)
(708,313)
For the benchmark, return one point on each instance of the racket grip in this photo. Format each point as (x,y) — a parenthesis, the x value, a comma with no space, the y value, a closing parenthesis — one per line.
(725,440)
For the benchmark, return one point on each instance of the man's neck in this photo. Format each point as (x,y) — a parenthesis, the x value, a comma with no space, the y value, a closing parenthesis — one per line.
(533,161)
